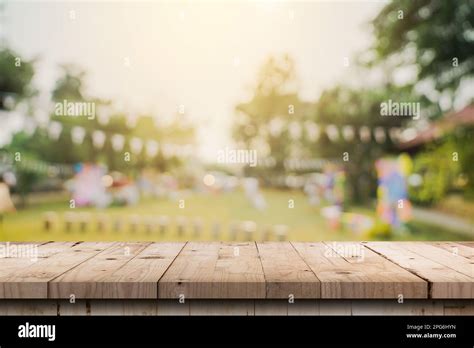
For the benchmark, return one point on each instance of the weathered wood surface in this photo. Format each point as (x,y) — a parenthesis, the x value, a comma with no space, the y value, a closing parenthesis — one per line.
(32,281)
(247,307)
(258,271)
(349,270)
(215,270)
(448,275)
(134,272)
(286,273)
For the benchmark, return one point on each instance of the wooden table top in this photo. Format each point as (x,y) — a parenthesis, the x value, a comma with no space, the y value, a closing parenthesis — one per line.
(238,270)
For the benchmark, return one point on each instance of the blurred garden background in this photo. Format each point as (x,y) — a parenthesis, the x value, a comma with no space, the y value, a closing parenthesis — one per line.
(138,121)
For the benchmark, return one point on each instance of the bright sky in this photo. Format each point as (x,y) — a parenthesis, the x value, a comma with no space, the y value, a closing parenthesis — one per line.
(203,55)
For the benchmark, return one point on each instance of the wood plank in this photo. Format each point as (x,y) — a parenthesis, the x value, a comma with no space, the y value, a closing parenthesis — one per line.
(375,270)
(214,270)
(459,307)
(286,273)
(173,307)
(444,257)
(456,249)
(28,307)
(236,307)
(358,272)
(390,308)
(304,307)
(124,308)
(444,281)
(335,307)
(222,307)
(271,307)
(139,277)
(89,279)
(78,308)
(29,255)
(32,281)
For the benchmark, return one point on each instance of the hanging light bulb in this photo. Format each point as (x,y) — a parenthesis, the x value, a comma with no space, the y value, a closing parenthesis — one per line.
(348,133)
(136,145)
(276,126)
(98,139)
(332,132)
(379,134)
(294,130)
(312,131)
(118,141)
(152,148)
(364,133)
(54,130)
(394,134)
(78,134)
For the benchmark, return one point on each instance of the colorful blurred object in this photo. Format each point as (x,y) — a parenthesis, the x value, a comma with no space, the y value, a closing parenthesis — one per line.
(88,188)
(332,214)
(393,206)
(357,223)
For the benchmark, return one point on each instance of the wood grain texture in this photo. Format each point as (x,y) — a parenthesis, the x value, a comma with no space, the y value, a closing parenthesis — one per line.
(286,273)
(139,277)
(28,307)
(130,307)
(173,307)
(214,270)
(456,249)
(271,307)
(272,270)
(444,282)
(66,308)
(304,307)
(32,281)
(16,256)
(458,307)
(90,278)
(222,307)
(446,258)
(390,308)
(348,270)
(337,307)
(325,307)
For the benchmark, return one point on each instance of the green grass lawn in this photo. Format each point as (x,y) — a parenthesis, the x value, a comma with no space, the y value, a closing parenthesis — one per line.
(304,221)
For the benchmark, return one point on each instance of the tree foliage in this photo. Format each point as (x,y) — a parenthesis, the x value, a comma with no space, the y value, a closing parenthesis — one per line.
(343,106)
(15,76)
(438,170)
(435,35)
(70,86)
(263,122)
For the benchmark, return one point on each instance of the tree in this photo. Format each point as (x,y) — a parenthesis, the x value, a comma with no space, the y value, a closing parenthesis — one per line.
(342,106)
(263,122)
(70,86)
(15,77)
(26,179)
(438,171)
(435,36)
